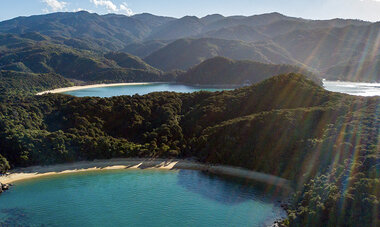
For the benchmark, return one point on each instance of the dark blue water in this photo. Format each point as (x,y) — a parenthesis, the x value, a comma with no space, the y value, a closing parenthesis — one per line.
(139,89)
(137,198)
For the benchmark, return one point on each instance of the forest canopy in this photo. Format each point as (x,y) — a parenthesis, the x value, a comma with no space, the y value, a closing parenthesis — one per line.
(326,143)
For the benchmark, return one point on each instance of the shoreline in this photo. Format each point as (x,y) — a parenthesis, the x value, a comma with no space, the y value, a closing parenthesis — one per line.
(134,163)
(375,83)
(76,88)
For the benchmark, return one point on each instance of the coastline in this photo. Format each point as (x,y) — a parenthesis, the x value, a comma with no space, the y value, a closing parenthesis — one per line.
(75,88)
(135,163)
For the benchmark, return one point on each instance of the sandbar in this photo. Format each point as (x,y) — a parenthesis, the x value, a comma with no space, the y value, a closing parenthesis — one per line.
(75,88)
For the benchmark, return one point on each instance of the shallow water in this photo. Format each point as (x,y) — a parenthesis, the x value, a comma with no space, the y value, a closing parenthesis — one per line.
(353,88)
(138,198)
(140,89)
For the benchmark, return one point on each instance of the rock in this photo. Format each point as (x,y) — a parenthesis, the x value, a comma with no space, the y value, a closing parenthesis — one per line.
(5,187)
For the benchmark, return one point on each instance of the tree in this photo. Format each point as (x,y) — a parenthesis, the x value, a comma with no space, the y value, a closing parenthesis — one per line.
(4,165)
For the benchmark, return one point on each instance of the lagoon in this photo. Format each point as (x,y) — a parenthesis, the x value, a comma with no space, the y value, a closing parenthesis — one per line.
(141,89)
(352,88)
(139,198)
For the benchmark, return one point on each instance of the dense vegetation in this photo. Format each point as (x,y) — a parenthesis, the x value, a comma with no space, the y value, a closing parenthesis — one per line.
(38,54)
(25,54)
(16,83)
(326,143)
(4,165)
(185,53)
(286,125)
(220,70)
(269,38)
(337,49)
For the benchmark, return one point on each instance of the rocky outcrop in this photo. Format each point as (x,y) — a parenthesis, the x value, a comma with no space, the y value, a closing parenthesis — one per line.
(4,187)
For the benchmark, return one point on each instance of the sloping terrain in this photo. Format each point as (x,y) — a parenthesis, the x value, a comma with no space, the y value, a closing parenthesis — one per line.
(224,71)
(326,143)
(185,53)
(30,56)
(270,38)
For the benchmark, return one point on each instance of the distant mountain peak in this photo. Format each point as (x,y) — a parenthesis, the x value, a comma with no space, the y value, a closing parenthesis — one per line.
(213,15)
(83,12)
(189,18)
(274,14)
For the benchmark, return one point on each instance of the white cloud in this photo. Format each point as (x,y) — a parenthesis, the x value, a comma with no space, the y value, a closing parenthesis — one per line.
(108,4)
(54,5)
(124,8)
(111,7)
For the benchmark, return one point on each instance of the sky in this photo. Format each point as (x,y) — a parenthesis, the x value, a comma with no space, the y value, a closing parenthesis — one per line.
(310,9)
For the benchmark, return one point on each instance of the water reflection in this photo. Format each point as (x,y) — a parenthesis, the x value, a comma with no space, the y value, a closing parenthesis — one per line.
(139,198)
(228,190)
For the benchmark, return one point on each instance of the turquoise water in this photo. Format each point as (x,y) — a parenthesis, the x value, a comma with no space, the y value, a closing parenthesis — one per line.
(137,198)
(139,89)
(359,89)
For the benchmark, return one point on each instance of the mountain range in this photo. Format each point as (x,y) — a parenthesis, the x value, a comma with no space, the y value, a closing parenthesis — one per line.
(35,54)
(325,143)
(326,47)
(24,54)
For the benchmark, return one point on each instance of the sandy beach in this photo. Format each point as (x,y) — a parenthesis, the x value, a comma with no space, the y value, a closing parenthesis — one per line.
(75,88)
(163,164)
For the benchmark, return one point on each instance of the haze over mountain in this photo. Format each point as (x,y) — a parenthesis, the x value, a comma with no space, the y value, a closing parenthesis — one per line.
(35,53)
(224,71)
(170,43)
(185,53)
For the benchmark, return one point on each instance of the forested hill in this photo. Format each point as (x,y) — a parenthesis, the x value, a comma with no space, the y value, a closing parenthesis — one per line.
(287,126)
(224,71)
(35,53)
(186,53)
(337,48)
(17,83)
(326,143)
(113,32)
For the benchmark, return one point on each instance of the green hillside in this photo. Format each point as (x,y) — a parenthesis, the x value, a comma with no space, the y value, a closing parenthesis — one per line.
(27,55)
(225,71)
(17,83)
(272,38)
(325,143)
(185,53)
